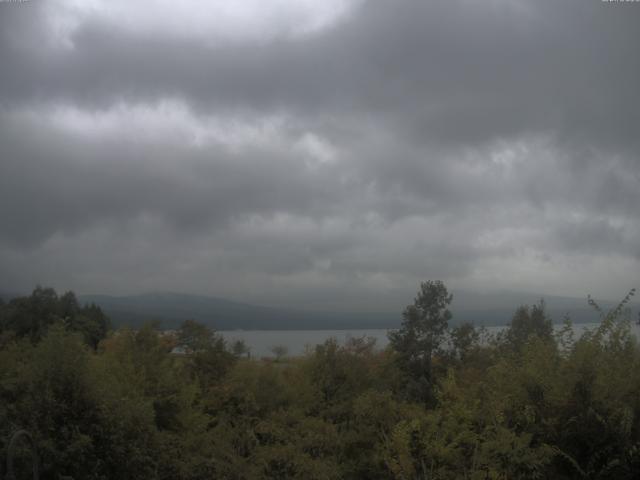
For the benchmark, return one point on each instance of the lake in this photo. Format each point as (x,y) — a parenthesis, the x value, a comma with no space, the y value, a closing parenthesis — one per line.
(298,341)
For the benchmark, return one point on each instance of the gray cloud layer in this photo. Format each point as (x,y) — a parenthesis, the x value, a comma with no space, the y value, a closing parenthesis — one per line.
(491,144)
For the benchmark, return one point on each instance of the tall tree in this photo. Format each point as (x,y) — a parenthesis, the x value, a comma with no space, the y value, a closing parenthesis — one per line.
(209,359)
(528,321)
(421,334)
(196,336)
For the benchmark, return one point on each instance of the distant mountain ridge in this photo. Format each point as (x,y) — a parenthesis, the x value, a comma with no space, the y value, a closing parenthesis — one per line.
(170,309)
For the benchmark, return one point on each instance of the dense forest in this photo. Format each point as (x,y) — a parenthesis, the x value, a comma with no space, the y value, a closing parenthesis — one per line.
(438,403)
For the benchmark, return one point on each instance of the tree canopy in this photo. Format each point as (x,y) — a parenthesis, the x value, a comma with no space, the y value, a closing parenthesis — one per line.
(560,406)
(32,316)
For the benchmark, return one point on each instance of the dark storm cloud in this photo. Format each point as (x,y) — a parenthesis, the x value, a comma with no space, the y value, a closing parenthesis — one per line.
(56,181)
(408,140)
(446,71)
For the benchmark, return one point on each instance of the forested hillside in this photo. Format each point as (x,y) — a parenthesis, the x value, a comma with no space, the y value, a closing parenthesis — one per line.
(170,309)
(439,403)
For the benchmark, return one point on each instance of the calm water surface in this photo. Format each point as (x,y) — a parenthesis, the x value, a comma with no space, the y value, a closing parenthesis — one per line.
(298,341)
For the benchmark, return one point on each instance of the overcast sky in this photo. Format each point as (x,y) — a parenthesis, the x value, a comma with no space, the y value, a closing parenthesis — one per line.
(327,154)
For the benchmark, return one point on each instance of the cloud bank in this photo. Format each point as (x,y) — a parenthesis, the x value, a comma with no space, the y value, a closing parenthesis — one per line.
(320,154)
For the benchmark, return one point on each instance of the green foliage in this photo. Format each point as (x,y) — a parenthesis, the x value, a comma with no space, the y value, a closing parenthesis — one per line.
(464,339)
(208,358)
(528,405)
(240,349)
(195,336)
(528,322)
(83,429)
(31,317)
(423,329)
